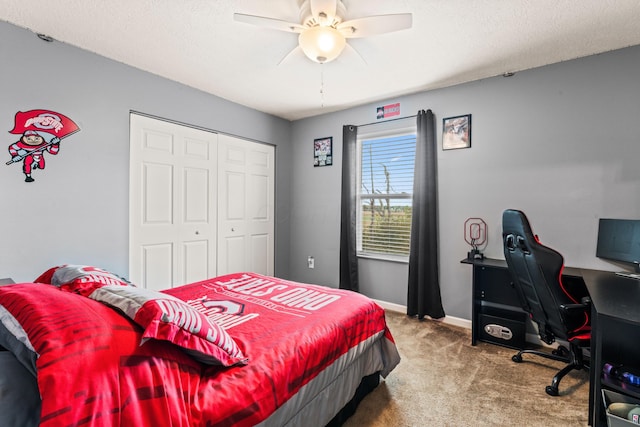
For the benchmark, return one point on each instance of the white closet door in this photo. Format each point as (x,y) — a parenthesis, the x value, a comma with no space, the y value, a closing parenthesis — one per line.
(245,206)
(173,173)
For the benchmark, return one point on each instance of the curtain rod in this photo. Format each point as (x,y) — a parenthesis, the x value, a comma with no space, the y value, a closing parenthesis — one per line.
(386,121)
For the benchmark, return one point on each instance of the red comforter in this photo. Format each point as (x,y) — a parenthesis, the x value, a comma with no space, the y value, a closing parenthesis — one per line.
(92,369)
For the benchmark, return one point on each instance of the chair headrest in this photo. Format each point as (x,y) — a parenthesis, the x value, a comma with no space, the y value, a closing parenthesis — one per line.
(515,222)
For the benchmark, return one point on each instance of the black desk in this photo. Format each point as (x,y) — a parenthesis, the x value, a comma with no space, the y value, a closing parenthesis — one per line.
(495,301)
(615,335)
(615,320)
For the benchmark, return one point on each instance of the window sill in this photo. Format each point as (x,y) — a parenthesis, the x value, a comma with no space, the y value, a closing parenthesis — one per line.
(382,257)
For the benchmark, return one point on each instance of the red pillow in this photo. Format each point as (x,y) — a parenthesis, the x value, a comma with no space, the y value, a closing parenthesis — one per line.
(80,279)
(164,317)
(46,276)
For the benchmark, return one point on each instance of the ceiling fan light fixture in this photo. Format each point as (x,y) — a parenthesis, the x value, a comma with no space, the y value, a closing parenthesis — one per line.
(322,44)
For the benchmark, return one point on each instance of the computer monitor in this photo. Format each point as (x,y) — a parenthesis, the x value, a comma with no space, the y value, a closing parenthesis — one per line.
(619,240)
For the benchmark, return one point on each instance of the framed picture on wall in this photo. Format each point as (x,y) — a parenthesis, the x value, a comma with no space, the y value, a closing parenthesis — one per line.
(322,151)
(456,132)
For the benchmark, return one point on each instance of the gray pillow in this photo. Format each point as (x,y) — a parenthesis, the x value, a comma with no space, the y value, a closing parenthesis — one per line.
(14,338)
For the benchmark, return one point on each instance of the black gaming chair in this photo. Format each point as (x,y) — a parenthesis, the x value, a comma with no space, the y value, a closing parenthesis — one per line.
(536,271)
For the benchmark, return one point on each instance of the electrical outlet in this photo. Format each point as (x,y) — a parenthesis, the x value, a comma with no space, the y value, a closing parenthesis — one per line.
(310,262)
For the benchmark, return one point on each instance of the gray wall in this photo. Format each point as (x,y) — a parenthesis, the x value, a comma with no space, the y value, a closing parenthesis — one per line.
(559,142)
(76,211)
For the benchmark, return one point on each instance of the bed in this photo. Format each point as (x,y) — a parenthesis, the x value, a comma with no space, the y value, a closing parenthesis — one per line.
(88,348)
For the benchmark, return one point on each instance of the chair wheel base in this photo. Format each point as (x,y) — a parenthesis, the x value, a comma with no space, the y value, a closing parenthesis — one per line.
(551,391)
(516,358)
(561,351)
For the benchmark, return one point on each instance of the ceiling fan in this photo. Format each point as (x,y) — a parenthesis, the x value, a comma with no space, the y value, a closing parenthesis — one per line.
(322,30)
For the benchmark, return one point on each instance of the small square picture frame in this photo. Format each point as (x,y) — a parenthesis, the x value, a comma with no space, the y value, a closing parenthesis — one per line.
(456,132)
(323,151)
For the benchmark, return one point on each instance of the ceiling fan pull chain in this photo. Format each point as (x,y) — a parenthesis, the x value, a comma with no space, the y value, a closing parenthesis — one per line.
(322,85)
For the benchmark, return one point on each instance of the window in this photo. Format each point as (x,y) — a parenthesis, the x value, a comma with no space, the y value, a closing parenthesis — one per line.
(385,191)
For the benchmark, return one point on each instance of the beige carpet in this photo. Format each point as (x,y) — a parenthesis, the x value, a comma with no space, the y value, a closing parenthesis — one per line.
(444,381)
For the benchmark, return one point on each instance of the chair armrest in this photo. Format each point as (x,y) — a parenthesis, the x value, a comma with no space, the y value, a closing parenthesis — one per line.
(585,304)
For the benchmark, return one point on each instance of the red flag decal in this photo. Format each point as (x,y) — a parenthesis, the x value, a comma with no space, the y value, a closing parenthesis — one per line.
(44,121)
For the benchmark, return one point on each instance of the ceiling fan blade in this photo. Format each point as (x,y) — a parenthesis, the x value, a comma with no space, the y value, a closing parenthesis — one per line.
(263,21)
(326,7)
(372,25)
(294,52)
(354,51)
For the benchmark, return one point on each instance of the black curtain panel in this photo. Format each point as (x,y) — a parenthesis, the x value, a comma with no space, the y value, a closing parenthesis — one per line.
(423,296)
(348,259)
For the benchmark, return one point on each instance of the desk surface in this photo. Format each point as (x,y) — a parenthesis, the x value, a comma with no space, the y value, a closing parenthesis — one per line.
(501,263)
(613,295)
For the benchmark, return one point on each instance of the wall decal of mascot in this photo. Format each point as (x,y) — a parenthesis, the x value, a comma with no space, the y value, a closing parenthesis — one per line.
(41,131)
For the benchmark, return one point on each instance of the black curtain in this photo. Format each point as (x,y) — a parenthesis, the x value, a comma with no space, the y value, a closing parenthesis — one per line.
(423,296)
(348,259)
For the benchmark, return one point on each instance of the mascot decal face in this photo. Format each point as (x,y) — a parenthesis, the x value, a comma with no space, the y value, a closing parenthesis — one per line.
(41,131)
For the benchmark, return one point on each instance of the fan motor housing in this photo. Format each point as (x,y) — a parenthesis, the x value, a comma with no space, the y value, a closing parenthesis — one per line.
(307,18)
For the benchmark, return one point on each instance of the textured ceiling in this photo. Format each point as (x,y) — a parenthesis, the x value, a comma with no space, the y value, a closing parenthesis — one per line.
(198,43)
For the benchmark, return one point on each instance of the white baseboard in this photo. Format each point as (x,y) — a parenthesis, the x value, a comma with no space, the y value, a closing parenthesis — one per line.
(451,320)
(391,306)
(464,323)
